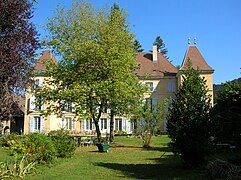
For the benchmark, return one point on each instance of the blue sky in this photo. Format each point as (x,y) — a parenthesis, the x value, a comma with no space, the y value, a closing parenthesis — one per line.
(215,23)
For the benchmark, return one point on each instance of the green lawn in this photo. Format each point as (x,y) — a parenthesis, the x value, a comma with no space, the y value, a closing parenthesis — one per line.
(126,159)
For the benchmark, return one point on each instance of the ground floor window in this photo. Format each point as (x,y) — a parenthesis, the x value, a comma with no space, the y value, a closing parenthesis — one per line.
(103,123)
(68,123)
(88,124)
(118,124)
(36,124)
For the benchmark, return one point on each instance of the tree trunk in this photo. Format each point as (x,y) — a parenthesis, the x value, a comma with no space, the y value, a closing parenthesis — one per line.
(111,126)
(97,130)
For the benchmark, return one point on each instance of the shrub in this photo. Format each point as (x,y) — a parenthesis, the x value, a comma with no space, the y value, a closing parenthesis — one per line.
(64,144)
(40,148)
(9,140)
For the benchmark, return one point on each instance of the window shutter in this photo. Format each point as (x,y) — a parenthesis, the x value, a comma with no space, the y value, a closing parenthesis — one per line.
(174,88)
(31,124)
(41,82)
(73,124)
(32,103)
(154,104)
(108,124)
(63,123)
(41,124)
(28,105)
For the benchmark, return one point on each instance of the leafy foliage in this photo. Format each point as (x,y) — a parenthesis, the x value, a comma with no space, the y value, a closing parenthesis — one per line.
(39,147)
(18,43)
(227,114)
(9,140)
(96,69)
(18,168)
(149,119)
(189,119)
(64,144)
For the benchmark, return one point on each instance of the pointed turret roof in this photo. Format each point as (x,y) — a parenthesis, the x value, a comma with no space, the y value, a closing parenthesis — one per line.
(47,54)
(196,58)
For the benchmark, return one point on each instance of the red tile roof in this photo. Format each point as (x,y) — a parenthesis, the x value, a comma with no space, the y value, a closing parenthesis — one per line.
(155,69)
(196,58)
(45,56)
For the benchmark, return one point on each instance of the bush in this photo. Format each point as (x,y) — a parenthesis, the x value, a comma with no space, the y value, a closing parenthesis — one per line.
(40,148)
(9,140)
(64,144)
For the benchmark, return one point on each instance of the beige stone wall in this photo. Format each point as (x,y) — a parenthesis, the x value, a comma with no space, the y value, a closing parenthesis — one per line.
(161,88)
(209,82)
(51,122)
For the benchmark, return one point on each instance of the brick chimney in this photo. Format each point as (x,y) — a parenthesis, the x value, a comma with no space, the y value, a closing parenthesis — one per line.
(154,53)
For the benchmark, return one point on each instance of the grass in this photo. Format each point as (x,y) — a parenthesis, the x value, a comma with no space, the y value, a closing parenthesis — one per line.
(126,159)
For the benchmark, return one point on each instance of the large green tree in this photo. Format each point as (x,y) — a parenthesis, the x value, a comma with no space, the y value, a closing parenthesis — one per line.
(124,90)
(96,69)
(18,42)
(189,119)
(227,114)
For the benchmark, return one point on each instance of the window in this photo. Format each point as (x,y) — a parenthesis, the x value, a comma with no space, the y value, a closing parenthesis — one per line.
(118,124)
(132,126)
(153,103)
(88,124)
(37,83)
(171,86)
(103,123)
(68,106)
(36,124)
(68,123)
(32,104)
(150,86)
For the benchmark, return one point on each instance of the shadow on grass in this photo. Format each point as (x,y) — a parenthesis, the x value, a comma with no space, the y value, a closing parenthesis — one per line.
(161,149)
(167,168)
(125,146)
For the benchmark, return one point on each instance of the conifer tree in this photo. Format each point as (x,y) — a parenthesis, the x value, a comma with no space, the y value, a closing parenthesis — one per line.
(161,47)
(189,119)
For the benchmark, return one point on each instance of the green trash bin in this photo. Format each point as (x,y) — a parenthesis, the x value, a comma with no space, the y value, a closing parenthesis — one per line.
(103,147)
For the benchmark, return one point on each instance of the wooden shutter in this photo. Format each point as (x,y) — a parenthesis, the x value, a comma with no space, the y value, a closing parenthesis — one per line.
(31,124)
(41,123)
(32,103)
(73,107)
(41,80)
(73,124)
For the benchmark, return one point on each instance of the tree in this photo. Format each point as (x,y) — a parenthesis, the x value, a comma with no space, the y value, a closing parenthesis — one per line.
(227,116)
(189,119)
(18,42)
(137,46)
(149,118)
(97,62)
(161,46)
(124,90)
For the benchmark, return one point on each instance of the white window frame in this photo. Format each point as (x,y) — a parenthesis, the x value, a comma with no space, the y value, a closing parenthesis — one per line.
(36,124)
